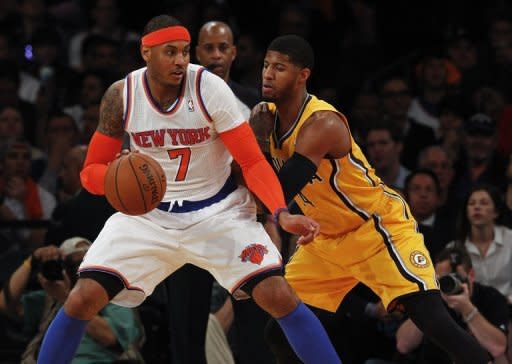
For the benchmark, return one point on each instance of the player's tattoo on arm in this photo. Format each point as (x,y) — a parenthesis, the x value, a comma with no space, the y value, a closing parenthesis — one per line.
(111,111)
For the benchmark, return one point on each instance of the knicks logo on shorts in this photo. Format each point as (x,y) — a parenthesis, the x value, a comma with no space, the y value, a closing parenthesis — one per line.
(253,253)
(419,260)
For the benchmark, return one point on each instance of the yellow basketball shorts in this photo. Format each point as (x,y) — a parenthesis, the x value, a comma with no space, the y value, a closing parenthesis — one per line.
(385,253)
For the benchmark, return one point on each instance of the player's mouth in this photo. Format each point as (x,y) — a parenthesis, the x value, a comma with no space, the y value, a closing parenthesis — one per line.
(177,74)
(267,88)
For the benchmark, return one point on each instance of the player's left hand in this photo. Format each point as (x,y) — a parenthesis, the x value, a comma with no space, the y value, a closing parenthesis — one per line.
(301,225)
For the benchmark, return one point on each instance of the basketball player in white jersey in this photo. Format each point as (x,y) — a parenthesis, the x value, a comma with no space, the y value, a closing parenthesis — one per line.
(188,120)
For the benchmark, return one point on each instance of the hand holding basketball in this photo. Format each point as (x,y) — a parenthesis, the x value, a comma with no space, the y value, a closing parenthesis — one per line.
(135,183)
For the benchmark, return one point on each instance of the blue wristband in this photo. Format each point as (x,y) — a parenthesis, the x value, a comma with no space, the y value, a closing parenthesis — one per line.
(277,212)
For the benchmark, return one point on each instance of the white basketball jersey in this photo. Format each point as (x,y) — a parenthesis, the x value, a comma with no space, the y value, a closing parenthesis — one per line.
(185,138)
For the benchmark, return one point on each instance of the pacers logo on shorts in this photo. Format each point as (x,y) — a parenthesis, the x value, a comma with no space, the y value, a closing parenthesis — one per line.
(419,260)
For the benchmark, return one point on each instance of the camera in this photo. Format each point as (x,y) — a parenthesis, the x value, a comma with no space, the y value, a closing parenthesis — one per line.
(451,284)
(50,269)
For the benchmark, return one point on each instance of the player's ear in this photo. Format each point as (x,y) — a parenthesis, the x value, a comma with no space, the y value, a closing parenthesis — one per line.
(145,52)
(304,74)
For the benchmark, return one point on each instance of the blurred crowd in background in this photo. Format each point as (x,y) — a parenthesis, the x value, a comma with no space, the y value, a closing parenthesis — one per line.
(426,87)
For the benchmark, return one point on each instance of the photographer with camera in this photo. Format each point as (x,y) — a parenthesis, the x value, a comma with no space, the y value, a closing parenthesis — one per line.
(479,309)
(108,335)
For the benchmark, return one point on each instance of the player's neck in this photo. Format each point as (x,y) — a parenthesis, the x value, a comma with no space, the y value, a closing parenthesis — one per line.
(290,108)
(164,94)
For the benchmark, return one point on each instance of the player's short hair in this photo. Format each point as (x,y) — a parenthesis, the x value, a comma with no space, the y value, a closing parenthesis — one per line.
(297,49)
(160,22)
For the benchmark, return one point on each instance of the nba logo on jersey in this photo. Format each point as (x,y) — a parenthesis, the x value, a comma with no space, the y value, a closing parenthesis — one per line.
(190,105)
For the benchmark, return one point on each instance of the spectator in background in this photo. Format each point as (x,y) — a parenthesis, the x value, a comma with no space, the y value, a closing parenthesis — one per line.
(216,51)
(23,199)
(491,102)
(90,87)
(104,15)
(476,307)
(461,49)
(33,16)
(395,96)
(90,119)
(452,113)
(436,159)
(131,59)
(432,76)
(12,127)
(488,243)
(69,174)
(9,87)
(110,333)
(423,191)
(365,110)
(61,135)
(82,213)
(500,39)
(101,54)
(383,144)
(11,52)
(481,163)
(247,65)
(47,64)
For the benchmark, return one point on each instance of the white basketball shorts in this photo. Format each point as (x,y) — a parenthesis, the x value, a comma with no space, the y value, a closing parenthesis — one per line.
(224,239)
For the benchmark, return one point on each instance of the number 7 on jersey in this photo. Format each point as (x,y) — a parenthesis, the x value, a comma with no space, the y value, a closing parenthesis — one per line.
(184,155)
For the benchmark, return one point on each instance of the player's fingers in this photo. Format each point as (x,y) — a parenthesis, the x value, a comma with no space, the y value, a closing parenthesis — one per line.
(305,238)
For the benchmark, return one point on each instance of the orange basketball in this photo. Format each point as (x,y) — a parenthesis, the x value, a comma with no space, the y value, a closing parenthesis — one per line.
(135,184)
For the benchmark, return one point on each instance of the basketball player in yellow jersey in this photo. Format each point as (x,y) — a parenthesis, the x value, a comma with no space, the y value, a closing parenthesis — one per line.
(367,233)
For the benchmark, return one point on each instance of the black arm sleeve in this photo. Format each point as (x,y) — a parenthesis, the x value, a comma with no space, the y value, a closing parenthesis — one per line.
(295,174)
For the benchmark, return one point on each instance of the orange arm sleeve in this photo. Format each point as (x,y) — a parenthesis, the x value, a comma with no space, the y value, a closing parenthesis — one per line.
(102,150)
(258,174)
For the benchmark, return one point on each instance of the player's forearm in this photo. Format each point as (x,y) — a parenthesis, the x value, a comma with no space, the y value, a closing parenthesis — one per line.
(99,329)
(102,150)
(258,174)
(489,336)
(295,174)
(408,337)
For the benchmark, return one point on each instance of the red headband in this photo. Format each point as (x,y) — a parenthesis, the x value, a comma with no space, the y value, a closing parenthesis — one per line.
(169,34)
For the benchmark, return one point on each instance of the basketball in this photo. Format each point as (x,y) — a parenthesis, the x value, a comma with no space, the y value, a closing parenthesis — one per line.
(135,184)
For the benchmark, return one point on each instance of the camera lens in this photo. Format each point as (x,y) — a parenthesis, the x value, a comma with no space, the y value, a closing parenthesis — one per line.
(450,284)
(52,270)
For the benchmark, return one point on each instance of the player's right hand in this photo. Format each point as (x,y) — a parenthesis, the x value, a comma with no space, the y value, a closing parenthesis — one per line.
(262,123)
(301,225)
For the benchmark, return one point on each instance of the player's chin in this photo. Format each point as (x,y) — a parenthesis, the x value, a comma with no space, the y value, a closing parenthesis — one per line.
(268,96)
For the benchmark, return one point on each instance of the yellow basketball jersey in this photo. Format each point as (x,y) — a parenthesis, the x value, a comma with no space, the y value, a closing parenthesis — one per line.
(345,192)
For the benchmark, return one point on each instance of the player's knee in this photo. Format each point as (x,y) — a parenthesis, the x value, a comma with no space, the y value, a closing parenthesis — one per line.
(86,299)
(275,296)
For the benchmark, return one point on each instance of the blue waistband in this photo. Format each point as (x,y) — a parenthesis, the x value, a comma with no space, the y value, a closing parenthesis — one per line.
(188,206)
